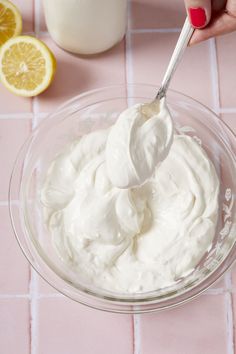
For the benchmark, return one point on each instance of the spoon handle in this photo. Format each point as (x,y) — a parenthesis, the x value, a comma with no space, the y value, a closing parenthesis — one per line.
(180,47)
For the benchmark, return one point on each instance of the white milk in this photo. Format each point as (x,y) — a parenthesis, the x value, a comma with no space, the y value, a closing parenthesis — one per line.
(86,26)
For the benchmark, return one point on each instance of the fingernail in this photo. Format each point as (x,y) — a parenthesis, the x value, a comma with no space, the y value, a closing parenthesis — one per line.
(197,16)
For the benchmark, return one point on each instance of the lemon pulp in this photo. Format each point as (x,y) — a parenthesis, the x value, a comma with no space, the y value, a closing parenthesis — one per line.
(27,65)
(10,21)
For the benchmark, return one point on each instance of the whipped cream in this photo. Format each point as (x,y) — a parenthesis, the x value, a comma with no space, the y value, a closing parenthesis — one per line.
(137,239)
(140,139)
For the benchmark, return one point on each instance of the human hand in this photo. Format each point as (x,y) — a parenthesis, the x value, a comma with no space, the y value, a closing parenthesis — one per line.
(211,18)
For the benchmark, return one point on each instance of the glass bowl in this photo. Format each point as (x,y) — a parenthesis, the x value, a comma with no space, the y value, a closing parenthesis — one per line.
(99,109)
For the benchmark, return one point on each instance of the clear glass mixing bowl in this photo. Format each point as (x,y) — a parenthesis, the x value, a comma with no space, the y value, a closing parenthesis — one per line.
(99,109)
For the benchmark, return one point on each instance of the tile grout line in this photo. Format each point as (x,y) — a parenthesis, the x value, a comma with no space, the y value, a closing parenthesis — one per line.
(229,314)
(43,33)
(29,33)
(228,283)
(128,54)
(137,337)
(50,296)
(216,291)
(228,110)
(33,289)
(154,30)
(36,14)
(36,114)
(211,292)
(4,203)
(129,80)
(228,280)
(33,285)
(133,31)
(214,76)
(16,115)
(28,115)
(230,323)
(14,296)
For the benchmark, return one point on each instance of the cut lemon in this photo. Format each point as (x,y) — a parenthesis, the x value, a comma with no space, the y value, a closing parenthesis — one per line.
(10,21)
(27,66)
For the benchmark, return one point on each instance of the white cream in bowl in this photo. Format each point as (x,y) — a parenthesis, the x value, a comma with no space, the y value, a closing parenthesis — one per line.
(134,207)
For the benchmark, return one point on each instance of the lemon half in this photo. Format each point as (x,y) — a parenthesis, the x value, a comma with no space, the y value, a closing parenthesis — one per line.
(27,66)
(10,21)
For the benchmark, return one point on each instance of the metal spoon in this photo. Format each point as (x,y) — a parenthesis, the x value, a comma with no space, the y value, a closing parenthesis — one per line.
(180,47)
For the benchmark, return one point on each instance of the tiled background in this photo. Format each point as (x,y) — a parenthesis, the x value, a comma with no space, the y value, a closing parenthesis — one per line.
(33,317)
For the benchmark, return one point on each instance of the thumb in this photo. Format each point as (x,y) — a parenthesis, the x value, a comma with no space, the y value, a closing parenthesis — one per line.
(199,12)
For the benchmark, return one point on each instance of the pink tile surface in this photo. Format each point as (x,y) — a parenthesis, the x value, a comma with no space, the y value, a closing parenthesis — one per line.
(230,120)
(78,74)
(14,269)
(233,298)
(14,326)
(197,327)
(157,14)
(9,103)
(226,51)
(150,55)
(67,327)
(26,8)
(41,17)
(31,311)
(44,288)
(233,276)
(13,133)
(220,284)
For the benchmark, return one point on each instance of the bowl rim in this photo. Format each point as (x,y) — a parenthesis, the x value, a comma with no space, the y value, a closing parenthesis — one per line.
(113,300)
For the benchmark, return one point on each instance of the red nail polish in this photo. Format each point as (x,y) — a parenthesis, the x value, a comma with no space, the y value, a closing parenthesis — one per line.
(197,16)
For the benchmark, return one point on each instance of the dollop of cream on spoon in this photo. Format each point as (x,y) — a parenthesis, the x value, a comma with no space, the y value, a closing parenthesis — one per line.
(139,140)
